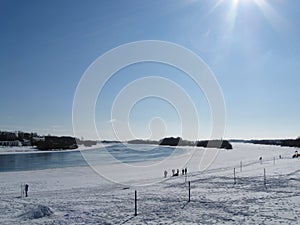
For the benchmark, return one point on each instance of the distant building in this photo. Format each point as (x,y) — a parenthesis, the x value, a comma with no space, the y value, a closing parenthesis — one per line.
(26,142)
(36,139)
(10,143)
(8,136)
(9,139)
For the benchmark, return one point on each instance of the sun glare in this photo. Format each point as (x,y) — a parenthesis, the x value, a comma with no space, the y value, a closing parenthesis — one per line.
(235,2)
(275,20)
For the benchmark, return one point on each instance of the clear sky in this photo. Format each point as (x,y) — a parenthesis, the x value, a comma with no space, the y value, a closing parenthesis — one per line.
(252,46)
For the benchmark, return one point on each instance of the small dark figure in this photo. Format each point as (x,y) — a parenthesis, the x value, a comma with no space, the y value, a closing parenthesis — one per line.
(185,170)
(296,155)
(182,171)
(26,190)
(279,156)
(173,172)
(260,158)
(176,174)
(166,173)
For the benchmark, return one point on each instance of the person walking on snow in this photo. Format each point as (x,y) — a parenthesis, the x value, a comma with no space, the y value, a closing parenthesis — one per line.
(26,190)
(166,174)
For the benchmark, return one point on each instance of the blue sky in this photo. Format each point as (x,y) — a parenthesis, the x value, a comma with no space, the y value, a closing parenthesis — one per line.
(252,46)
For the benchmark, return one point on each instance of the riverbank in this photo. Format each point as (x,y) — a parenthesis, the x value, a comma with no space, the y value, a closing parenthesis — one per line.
(79,195)
(32,149)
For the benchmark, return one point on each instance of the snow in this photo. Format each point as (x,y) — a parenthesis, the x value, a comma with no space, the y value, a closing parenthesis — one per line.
(79,195)
(17,149)
(32,149)
(39,212)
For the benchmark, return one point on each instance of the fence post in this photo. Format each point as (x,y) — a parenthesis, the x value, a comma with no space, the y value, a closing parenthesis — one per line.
(22,190)
(241,166)
(234,178)
(189,191)
(265,178)
(135,203)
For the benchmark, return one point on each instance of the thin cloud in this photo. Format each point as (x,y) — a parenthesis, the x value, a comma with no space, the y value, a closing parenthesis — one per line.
(111,121)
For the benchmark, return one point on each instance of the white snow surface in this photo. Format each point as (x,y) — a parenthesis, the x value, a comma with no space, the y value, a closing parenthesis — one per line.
(79,195)
(17,149)
(32,149)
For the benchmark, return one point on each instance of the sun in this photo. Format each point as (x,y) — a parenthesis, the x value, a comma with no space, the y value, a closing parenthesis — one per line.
(273,18)
(235,2)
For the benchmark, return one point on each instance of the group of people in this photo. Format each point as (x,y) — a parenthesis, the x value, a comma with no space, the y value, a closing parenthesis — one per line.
(176,173)
(261,158)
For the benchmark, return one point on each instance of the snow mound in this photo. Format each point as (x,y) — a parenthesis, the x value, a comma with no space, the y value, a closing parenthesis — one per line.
(39,212)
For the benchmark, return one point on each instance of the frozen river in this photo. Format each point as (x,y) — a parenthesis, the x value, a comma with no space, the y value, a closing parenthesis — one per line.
(98,156)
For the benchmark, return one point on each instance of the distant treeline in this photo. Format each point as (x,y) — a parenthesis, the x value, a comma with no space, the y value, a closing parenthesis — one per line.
(20,138)
(53,142)
(281,142)
(171,141)
(64,143)
(110,142)
(140,141)
(87,143)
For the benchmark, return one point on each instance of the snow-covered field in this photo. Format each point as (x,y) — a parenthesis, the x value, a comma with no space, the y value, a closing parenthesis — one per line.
(79,195)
